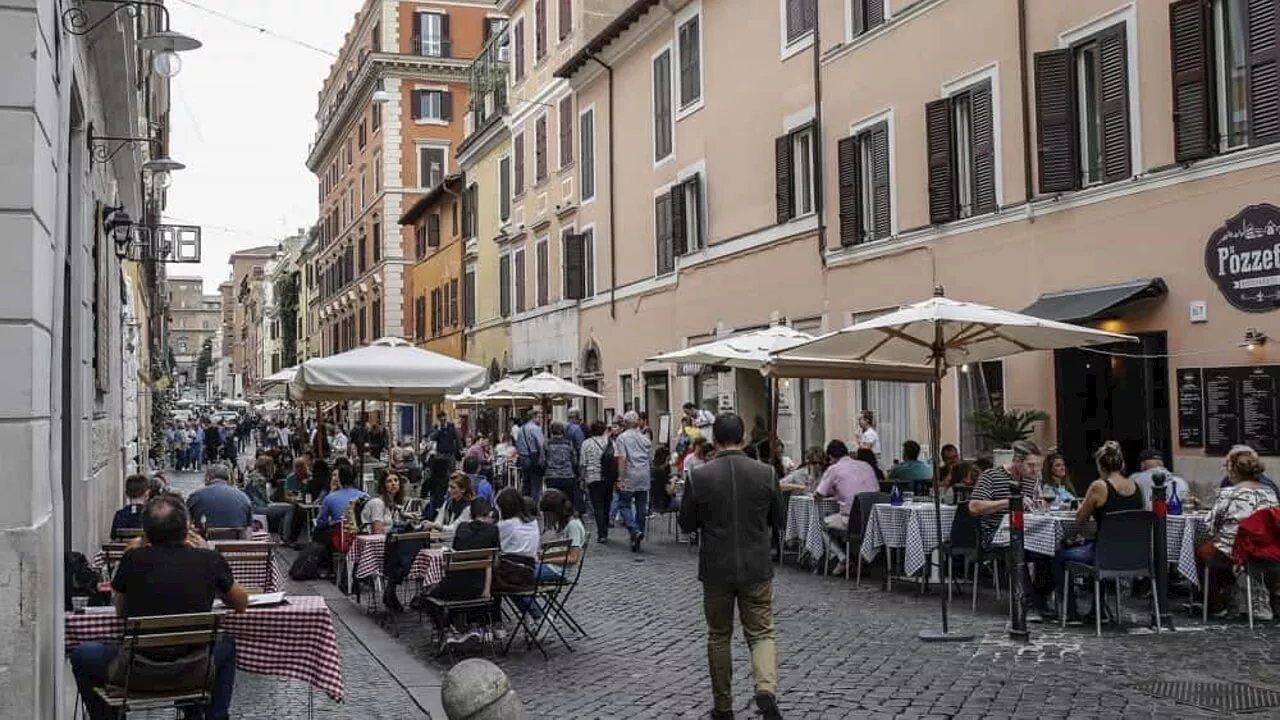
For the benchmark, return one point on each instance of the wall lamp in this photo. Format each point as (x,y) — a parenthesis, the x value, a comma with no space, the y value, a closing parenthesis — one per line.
(104,147)
(1253,338)
(165,44)
(119,227)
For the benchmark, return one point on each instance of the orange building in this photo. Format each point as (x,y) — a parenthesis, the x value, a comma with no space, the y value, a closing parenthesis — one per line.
(440,303)
(389,124)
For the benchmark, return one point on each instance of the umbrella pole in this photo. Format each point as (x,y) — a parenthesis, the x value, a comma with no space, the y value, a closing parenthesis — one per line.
(773,420)
(944,543)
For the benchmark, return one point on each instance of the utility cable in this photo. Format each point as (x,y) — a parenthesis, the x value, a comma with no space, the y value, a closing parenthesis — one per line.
(262,30)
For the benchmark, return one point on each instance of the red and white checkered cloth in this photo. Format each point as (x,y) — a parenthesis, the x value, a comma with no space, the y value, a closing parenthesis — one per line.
(248,573)
(366,555)
(428,567)
(294,640)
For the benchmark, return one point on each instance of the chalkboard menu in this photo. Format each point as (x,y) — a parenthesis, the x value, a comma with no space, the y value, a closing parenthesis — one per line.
(1236,405)
(1190,408)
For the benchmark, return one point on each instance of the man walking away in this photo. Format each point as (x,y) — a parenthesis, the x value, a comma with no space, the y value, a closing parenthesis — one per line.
(735,505)
(632,450)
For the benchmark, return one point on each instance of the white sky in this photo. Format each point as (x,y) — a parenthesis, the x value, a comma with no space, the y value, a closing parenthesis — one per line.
(243,117)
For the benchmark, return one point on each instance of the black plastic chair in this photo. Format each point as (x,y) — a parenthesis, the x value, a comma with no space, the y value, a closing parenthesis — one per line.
(1121,551)
(966,543)
(859,516)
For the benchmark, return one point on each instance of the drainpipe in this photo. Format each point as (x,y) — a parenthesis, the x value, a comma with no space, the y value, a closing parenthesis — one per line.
(818,164)
(1026,105)
(613,255)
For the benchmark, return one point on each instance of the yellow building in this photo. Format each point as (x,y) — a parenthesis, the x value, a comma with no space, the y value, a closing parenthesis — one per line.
(434,292)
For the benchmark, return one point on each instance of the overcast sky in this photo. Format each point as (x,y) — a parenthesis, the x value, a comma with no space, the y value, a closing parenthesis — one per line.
(243,117)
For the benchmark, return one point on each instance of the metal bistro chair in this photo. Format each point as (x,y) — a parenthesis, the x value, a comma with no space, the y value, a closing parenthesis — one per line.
(1122,551)
(462,561)
(196,632)
(550,552)
(111,554)
(966,543)
(557,592)
(1251,567)
(859,517)
(397,559)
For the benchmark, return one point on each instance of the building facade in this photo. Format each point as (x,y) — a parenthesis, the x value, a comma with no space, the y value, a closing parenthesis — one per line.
(1062,186)
(441,225)
(242,339)
(387,133)
(193,320)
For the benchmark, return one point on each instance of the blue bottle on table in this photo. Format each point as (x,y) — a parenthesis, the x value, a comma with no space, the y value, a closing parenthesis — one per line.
(1175,503)
(895,496)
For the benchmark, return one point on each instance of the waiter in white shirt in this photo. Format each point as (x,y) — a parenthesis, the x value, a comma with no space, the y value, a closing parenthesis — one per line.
(870,438)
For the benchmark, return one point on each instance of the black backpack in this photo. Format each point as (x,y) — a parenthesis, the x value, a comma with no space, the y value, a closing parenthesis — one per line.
(307,565)
(608,464)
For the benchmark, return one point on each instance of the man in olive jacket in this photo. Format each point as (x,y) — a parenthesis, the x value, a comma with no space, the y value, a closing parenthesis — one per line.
(734,503)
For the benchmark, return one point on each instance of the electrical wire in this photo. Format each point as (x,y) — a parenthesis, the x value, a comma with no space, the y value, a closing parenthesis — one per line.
(1140,356)
(262,30)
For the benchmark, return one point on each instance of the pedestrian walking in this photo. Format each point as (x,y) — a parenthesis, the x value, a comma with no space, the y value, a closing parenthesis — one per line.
(632,449)
(734,503)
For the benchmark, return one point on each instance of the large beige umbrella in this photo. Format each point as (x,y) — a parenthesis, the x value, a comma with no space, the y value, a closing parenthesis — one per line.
(750,351)
(388,369)
(549,388)
(943,333)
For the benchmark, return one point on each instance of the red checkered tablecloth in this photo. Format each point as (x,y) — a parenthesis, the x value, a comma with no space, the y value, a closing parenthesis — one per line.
(366,555)
(248,573)
(428,567)
(294,640)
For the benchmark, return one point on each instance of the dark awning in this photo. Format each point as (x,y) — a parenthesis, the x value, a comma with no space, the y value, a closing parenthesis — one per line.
(1095,303)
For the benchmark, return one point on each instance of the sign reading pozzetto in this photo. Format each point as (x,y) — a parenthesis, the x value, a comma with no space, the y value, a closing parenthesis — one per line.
(1243,259)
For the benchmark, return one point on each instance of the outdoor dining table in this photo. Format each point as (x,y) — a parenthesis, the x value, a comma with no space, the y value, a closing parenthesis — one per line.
(911,527)
(249,573)
(1044,533)
(294,640)
(368,552)
(804,522)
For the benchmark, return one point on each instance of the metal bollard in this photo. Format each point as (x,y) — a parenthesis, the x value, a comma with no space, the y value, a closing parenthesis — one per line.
(1017,565)
(1160,546)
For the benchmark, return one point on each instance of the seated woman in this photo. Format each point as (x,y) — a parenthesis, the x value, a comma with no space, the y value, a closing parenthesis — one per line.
(477,533)
(562,524)
(386,509)
(1111,492)
(1246,494)
(805,479)
(456,508)
(520,538)
(1054,475)
(258,487)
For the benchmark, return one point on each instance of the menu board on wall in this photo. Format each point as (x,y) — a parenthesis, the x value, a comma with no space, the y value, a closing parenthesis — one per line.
(1238,405)
(1190,408)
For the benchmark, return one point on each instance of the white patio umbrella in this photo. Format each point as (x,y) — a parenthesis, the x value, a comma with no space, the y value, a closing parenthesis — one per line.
(387,369)
(549,388)
(284,377)
(943,333)
(750,351)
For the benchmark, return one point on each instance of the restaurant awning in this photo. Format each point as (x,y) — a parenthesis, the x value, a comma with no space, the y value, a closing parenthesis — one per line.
(1095,303)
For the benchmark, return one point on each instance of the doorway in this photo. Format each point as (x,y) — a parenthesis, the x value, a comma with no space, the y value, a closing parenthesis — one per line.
(1113,397)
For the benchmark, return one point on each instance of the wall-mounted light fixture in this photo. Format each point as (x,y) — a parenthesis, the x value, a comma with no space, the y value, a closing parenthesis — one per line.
(119,227)
(104,147)
(1253,339)
(164,44)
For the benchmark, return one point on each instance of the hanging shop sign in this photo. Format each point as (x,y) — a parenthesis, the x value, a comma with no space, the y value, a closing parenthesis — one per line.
(1243,259)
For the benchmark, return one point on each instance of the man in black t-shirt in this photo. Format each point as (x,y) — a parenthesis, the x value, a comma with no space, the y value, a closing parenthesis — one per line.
(165,576)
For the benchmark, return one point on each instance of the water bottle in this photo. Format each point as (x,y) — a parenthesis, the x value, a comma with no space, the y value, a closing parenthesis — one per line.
(1175,503)
(895,496)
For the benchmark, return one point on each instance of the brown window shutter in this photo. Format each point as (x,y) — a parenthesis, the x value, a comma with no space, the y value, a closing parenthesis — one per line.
(433,230)
(566,131)
(504,286)
(566,18)
(784,192)
(575,266)
(679,236)
(446,107)
(982,124)
(1117,157)
(1264,72)
(939,138)
(1190,25)
(880,180)
(848,178)
(540,149)
(518,50)
(446,45)
(695,188)
(453,303)
(517,154)
(875,13)
(1057,140)
(540,28)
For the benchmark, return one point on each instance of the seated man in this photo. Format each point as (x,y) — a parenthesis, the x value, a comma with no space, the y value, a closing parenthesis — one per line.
(911,470)
(165,576)
(844,479)
(335,505)
(478,533)
(1153,463)
(218,504)
(137,488)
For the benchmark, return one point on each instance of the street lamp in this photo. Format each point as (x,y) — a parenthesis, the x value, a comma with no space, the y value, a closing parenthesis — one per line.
(161,171)
(119,226)
(164,43)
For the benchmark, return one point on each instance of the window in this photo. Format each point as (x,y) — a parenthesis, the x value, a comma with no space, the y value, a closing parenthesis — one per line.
(566,131)
(794,157)
(504,188)
(453,211)
(542,279)
(519,283)
(689,44)
(377,240)
(377,318)
(801,17)
(433,230)
(665,253)
(981,387)
(504,286)
(436,305)
(540,149)
(420,240)
(587,137)
(960,133)
(517,173)
(376,116)
(865,197)
(347,152)
(578,252)
(469,298)
(627,391)
(377,173)
(431,165)
(686,215)
(566,18)
(432,105)
(589,265)
(517,32)
(419,317)
(364,189)
(361,257)
(362,135)
(539,30)
(865,15)
(364,325)
(1082,112)
(662,106)
(454,300)
(470,211)
(431,34)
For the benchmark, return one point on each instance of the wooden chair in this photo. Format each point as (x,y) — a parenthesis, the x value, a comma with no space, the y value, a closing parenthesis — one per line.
(216,534)
(462,561)
(126,534)
(196,632)
(247,553)
(112,552)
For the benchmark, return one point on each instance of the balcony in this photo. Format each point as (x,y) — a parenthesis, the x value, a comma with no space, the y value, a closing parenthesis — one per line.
(487,80)
(430,46)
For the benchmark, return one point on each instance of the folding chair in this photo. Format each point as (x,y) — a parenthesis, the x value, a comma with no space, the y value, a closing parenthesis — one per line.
(126,534)
(1121,551)
(549,591)
(859,517)
(215,534)
(197,632)
(111,553)
(557,602)
(397,560)
(457,562)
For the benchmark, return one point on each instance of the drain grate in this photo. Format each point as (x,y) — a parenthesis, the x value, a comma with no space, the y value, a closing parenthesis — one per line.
(1225,697)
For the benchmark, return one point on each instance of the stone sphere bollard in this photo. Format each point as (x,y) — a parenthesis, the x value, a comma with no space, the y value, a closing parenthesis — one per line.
(476,689)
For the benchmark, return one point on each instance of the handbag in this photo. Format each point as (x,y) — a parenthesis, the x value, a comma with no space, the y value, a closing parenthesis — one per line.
(514,573)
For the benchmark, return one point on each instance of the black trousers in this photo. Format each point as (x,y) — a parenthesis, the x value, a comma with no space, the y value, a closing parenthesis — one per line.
(601,494)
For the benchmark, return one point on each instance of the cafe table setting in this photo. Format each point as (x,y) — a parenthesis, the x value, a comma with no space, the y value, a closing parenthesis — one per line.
(804,522)
(910,526)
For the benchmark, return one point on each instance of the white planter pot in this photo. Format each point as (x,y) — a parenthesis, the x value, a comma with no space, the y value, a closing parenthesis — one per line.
(1002,457)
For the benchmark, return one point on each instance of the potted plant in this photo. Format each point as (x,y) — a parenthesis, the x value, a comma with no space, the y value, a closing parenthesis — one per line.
(1002,428)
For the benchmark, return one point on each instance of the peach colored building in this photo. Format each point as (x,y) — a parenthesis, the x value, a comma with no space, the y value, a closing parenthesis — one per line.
(241,339)
(440,223)
(1100,162)
(389,123)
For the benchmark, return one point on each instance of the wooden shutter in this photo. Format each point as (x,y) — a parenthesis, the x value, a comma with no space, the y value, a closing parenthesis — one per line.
(1117,158)
(469,300)
(695,208)
(1056,135)
(542,267)
(785,188)
(504,189)
(446,43)
(982,127)
(433,230)
(454,314)
(1190,25)
(849,178)
(575,266)
(880,180)
(415,103)
(874,13)
(504,285)
(540,28)
(417,34)
(566,18)
(679,236)
(446,105)
(942,177)
(540,148)
(518,158)
(1264,72)
(519,49)
(690,60)
(566,131)
(586,136)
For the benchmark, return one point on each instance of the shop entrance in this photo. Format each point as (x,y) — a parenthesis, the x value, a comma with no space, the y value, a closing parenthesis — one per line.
(1113,397)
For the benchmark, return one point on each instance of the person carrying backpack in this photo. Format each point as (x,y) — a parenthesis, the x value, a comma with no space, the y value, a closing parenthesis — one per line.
(338,521)
(599,473)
